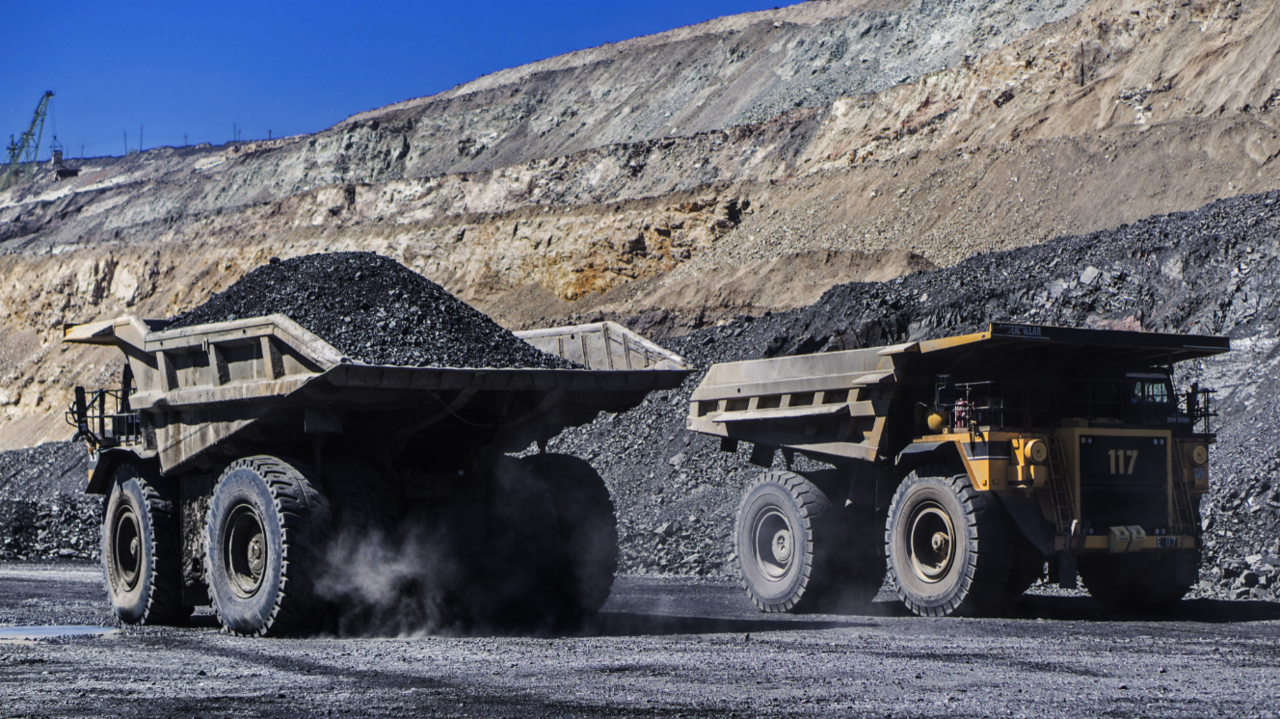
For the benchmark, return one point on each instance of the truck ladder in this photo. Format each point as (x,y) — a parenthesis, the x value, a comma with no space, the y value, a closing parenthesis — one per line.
(1064,505)
(1182,513)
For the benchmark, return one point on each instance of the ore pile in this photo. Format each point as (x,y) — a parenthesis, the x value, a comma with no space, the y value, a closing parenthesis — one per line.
(1214,270)
(43,511)
(374,310)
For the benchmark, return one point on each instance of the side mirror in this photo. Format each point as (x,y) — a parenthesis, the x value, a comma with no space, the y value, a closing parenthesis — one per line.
(82,411)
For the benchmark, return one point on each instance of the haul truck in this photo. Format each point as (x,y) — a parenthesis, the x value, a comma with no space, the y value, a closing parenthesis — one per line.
(962,464)
(233,453)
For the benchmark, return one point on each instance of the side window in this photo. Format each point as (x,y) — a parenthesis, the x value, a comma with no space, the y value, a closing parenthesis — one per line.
(1157,393)
(1149,391)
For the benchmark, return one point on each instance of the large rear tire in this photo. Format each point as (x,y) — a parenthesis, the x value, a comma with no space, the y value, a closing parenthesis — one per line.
(518,553)
(365,508)
(787,534)
(587,525)
(1137,582)
(361,498)
(142,550)
(947,544)
(267,526)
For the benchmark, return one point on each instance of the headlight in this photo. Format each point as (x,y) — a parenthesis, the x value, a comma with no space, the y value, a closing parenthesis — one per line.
(1199,455)
(1036,451)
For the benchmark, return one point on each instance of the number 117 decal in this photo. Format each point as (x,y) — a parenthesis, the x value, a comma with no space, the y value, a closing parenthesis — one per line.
(1118,457)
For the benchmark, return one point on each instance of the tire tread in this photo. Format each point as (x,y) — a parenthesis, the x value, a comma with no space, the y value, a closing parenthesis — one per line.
(586,514)
(164,595)
(814,507)
(305,528)
(983,587)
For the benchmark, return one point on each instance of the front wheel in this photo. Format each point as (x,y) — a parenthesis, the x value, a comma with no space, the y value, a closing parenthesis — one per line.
(947,544)
(142,550)
(267,526)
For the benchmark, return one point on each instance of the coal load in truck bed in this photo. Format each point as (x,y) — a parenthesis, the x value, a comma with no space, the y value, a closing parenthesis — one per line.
(374,310)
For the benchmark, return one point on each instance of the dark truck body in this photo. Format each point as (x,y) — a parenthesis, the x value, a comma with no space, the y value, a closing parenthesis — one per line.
(1078,433)
(196,400)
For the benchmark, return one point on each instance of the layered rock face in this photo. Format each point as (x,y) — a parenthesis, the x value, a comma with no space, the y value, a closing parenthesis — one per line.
(677,176)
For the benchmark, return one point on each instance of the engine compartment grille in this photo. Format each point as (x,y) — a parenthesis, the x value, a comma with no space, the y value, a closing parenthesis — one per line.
(1124,480)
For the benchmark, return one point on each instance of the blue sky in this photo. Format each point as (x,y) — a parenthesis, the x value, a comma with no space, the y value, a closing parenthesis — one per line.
(178,68)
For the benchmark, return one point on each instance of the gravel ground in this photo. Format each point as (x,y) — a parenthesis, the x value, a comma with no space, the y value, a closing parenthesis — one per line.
(661,647)
(374,310)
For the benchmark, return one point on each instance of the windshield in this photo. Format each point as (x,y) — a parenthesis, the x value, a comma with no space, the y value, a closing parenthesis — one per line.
(1148,389)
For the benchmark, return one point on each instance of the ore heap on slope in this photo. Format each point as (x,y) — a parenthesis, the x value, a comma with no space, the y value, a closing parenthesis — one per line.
(374,310)
(43,511)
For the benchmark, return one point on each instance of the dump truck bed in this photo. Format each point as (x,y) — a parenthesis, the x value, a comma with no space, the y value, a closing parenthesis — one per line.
(837,404)
(200,387)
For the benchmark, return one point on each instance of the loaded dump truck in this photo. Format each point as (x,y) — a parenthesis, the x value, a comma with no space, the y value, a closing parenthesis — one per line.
(966,465)
(233,453)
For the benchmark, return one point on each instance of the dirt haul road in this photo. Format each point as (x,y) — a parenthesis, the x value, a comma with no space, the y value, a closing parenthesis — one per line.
(659,648)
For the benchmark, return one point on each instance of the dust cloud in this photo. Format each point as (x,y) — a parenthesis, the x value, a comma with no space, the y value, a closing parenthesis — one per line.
(490,561)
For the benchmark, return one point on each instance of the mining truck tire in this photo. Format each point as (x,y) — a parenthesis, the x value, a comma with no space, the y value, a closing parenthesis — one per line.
(265,534)
(513,552)
(142,550)
(1136,582)
(787,540)
(361,498)
(947,544)
(366,510)
(588,528)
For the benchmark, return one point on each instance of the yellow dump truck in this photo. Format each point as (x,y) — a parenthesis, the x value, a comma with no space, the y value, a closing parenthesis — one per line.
(967,465)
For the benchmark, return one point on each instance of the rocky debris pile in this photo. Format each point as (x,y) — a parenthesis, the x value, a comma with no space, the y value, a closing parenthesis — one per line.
(374,310)
(64,527)
(1214,270)
(1253,577)
(1242,519)
(43,512)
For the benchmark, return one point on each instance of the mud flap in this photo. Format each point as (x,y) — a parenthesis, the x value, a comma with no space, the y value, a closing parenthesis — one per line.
(885,481)
(1186,567)
(762,455)
(1063,572)
(1026,513)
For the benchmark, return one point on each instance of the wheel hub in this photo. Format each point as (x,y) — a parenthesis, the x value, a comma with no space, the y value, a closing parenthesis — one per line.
(126,556)
(782,546)
(245,551)
(774,544)
(257,556)
(931,542)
